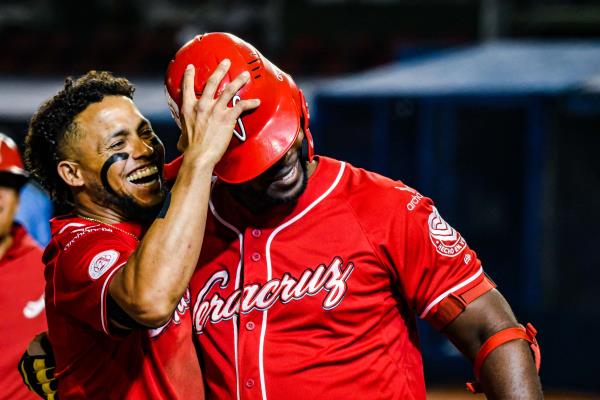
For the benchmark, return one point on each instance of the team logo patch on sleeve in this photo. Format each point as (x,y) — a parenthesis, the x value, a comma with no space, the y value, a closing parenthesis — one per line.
(447,241)
(102,262)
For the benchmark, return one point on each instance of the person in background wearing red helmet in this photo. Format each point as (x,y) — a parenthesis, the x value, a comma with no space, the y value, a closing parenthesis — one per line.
(21,275)
(312,271)
(118,265)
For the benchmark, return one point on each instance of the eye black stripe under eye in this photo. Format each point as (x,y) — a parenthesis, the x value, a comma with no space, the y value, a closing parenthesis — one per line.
(106,166)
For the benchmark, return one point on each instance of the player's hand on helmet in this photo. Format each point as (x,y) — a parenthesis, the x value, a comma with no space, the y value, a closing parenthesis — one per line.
(37,368)
(208,122)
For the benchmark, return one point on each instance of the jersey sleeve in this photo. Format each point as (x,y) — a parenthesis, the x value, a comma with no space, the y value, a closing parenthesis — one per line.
(83,274)
(427,258)
(433,260)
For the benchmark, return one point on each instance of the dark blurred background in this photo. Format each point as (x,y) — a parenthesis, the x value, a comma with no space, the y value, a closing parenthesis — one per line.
(490,107)
(318,37)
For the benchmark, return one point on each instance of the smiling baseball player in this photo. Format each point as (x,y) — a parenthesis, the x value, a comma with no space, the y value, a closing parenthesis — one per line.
(312,271)
(117,299)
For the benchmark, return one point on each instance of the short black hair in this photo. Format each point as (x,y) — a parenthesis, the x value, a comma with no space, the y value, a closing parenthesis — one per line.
(53,123)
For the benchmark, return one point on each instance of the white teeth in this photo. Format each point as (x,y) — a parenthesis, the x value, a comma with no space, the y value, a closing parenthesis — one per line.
(142,173)
(289,174)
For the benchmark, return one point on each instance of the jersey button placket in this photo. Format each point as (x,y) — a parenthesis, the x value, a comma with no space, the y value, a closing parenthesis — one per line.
(250,323)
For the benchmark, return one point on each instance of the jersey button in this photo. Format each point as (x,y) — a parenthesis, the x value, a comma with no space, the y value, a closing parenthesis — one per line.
(250,325)
(256,233)
(250,383)
(255,257)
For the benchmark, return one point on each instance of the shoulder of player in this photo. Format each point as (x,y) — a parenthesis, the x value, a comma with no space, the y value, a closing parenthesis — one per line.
(78,232)
(81,250)
(370,189)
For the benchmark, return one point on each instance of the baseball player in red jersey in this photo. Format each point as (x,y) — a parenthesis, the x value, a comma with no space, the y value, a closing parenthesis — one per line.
(21,275)
(117,300)
(312,271)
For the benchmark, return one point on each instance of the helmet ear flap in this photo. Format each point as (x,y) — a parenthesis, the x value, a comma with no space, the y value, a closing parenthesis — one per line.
(308,147)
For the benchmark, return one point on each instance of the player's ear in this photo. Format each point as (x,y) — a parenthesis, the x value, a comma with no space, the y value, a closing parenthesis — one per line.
(70,172)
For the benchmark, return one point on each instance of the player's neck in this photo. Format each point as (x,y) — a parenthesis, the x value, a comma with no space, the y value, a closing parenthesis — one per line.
(311,167)
(103,214)
(5,242)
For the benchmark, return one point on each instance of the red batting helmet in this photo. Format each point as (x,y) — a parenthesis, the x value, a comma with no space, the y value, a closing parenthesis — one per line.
(261,136)
(12,172)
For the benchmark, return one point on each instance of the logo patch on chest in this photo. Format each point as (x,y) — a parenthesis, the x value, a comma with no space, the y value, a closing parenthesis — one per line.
(102,262)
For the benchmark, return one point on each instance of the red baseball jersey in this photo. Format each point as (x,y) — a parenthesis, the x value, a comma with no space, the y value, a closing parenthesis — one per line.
(21,307)
(91,363)
(317,299)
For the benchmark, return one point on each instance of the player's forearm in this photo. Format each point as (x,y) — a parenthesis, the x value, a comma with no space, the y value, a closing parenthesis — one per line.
(151,284)
(509,373)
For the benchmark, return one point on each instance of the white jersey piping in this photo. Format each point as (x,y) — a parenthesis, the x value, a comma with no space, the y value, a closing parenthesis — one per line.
(103,316)
(447,292)
(69,225)
(261,365)
(235,318)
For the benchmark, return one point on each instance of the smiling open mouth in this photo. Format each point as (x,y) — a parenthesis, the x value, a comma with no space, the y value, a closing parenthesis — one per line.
(143,176)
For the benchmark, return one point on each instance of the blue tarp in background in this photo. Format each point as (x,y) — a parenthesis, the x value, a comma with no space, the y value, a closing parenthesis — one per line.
(503,136)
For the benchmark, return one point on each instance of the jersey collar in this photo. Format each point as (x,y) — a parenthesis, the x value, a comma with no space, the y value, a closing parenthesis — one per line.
(237,214)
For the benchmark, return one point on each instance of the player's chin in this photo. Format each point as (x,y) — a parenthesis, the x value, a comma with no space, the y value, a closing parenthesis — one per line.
(147,194)
(287,191)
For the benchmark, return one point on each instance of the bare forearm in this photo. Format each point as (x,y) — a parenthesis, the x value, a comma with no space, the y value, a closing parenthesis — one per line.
(509,371)
(156,275)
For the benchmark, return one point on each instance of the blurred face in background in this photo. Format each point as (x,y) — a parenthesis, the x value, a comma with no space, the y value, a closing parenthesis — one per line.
(9,202)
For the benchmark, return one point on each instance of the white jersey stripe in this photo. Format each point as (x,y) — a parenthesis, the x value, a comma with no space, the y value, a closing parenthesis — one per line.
(447,292)
(72,224)
(270,270)
(103,316)
(234,320)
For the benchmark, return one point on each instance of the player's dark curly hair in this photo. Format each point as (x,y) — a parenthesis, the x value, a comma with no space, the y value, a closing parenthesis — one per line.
(52,126)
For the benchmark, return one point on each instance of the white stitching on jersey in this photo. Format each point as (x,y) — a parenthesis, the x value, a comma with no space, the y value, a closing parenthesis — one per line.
(447,292)
(103,316)
(237,286)
(261,365)
(75,224)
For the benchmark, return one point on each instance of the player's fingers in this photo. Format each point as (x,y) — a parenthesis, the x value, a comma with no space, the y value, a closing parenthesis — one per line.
(45,375)
(213,82)
(244,105)
(188,96)
(232,88)
(39,364)
(49,387)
